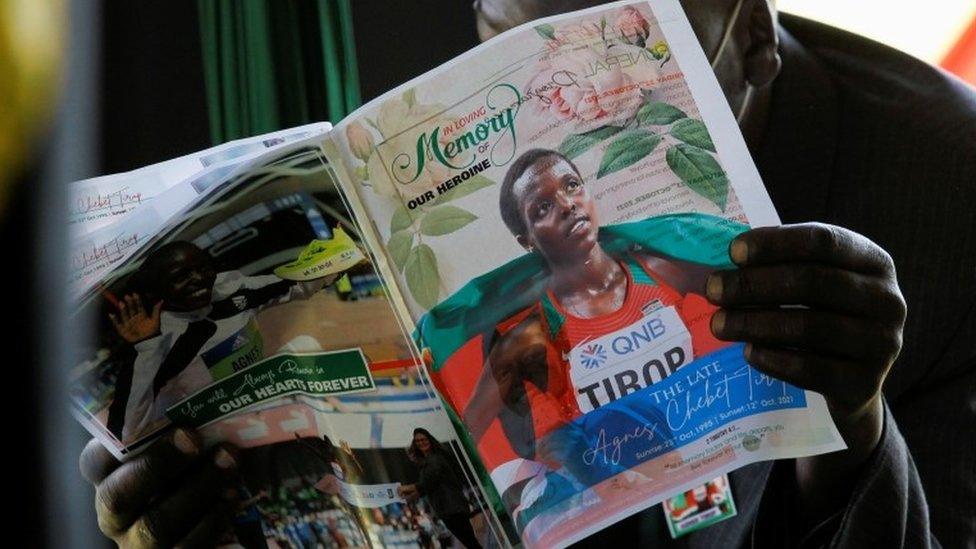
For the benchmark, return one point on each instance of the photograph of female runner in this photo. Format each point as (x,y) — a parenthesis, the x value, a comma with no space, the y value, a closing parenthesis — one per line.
(534,368)
(605,326)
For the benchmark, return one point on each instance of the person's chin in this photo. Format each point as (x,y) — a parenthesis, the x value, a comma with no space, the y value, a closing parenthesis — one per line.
(583,240)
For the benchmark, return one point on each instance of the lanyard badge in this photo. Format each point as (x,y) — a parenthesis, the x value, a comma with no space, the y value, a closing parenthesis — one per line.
(699,507)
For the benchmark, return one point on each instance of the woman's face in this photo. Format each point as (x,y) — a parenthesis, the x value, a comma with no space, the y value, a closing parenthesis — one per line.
(422,442)
(559,214)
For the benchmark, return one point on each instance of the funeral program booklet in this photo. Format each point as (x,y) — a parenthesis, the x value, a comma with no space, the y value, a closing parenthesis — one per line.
(473,309)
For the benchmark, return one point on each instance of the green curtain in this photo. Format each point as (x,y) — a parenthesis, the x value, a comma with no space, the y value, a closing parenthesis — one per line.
(273,64)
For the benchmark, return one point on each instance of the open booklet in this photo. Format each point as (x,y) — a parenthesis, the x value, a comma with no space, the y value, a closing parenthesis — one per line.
(472,309)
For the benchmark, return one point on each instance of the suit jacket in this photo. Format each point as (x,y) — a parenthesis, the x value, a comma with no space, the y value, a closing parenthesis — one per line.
(868,138)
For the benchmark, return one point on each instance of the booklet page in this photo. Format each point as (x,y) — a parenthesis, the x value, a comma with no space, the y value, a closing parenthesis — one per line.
(550,205)
(101,201)
(102,230)
(257,317)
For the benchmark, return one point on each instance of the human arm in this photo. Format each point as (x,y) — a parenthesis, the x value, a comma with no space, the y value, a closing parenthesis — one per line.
(409,492)
(264,291)
(134,322)
(935,417)
(263,494)
(328,484)
(145,366)
(346,449)
(886,504)
(840,343)
(123,386)
(684,276)
(518,354)
(174,492)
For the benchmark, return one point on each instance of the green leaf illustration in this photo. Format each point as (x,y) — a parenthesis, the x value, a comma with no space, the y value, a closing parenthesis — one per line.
(399,246)
(401,219)
(626,150)
(657,113)
(546,31)
(423,280)
(701,172)
(693,132)
(444,220)
(360,173)
(474,183)
(576,144)
(410,97)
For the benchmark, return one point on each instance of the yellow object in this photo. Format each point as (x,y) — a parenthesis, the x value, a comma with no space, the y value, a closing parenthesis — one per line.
(323,258)
(31,34)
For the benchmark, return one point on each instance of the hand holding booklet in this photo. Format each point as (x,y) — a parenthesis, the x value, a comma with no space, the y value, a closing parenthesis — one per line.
(481,295)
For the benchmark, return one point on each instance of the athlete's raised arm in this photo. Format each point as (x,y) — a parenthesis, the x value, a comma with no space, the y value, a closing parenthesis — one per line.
(516,355)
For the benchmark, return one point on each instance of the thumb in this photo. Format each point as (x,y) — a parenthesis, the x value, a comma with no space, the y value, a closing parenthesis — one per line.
(156,309)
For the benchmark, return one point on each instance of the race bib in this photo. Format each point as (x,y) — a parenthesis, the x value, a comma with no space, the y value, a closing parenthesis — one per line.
(240,350)
(614,365)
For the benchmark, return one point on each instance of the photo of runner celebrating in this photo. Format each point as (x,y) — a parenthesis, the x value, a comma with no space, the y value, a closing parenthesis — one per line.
(604,327)
(539,358)
(200,329)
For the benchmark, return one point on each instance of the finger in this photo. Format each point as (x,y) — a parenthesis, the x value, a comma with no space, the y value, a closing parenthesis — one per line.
(843,382)
(96,462)
(811,242)
(156,309)
(208,532)
(137,301)
(818,331)
(115,322)
(123,311)
(812,284)
(172,518)
(130,307)
(125,493)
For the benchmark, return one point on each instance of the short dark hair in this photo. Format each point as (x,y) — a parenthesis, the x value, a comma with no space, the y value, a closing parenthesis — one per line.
(507,203)
(148,278)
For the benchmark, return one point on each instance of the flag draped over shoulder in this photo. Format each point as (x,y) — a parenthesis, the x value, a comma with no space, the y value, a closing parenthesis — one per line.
(481,304)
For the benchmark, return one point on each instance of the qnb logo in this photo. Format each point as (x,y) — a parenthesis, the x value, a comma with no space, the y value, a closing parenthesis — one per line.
(636,339)
(593,356)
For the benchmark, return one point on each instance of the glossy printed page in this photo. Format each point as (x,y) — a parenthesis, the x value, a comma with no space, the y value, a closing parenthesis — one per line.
(257,318)
(550,205)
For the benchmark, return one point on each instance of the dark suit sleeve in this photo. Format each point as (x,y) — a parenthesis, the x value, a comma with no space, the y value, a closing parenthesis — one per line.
(887,506)
(938,420)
